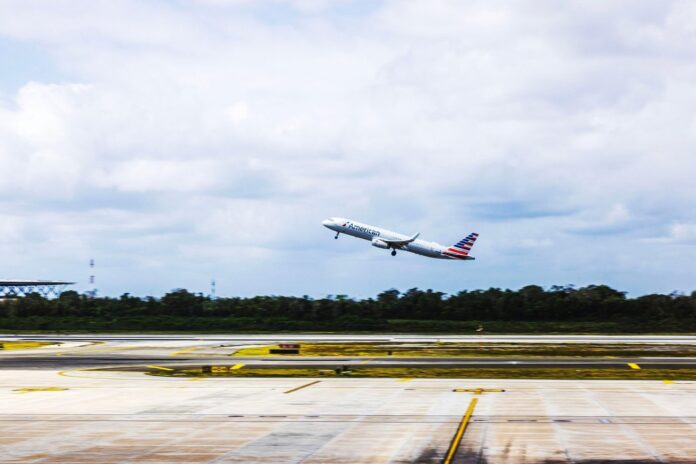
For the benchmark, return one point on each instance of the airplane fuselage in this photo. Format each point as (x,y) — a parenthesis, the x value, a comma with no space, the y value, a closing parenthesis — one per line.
(387,239)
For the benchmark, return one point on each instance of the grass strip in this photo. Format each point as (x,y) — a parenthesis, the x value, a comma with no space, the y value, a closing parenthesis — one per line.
(452,373)
(474,350)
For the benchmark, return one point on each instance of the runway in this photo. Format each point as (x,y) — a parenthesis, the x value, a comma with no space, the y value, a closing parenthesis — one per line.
(64,362)
(405,338)
(102,350)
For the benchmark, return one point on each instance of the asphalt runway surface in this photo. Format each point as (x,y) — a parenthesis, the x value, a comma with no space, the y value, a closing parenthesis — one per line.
(70,362)
(377,338)
(132,351)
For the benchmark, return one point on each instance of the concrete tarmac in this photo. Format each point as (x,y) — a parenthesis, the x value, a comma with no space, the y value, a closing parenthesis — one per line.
(54,410)
(114,417)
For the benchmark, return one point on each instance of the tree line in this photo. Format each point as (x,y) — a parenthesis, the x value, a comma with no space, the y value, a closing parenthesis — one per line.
(594,308)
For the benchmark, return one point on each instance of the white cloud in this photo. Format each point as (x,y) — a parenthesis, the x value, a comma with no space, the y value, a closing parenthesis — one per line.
(684,232)
(142,175)
(200,127)
(678,233)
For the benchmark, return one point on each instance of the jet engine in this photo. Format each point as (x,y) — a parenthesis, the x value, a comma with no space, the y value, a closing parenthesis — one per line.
(379,243)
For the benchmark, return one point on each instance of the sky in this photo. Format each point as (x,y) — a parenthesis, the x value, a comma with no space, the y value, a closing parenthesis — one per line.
(177,142)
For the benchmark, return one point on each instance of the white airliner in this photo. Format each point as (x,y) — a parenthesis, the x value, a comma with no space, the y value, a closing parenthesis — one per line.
(386,239)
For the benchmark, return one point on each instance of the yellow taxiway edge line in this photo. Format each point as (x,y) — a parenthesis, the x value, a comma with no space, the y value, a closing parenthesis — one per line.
(160,368)
(302,386)
(237,366)
(460,432)
(633,366)
(407,379)
(668,381)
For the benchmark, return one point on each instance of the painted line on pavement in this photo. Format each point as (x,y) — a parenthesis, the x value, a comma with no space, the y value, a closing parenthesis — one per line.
(152,366)
(185,350)
(478,391)
(39,389)
(460,432)
(303,386)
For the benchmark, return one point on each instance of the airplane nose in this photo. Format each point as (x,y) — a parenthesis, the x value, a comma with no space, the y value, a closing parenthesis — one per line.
(327,222)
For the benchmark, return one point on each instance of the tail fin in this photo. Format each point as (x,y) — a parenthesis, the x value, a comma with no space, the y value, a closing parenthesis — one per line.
(462,247)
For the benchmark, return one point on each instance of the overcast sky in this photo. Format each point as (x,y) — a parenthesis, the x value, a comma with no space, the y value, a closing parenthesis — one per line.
(180,141)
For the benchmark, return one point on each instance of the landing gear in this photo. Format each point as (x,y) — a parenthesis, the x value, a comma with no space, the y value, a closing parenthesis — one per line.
(393,252)
(337,234)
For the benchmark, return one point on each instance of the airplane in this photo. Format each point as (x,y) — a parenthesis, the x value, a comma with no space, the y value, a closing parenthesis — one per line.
(386,239)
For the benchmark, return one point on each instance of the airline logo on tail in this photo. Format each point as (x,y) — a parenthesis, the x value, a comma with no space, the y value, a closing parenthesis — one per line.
(461,248)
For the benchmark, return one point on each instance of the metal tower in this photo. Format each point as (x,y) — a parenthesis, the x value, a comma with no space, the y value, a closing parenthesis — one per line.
(92,280)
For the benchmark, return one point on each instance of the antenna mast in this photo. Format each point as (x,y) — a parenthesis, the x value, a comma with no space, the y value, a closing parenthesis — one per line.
(93,292)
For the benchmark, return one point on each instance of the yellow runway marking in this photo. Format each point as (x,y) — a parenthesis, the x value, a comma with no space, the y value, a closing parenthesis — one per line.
(100,374)
(303,386)
(160,368)
(22,345)
(185,350)
(633,366)
(460,432)
(237,366)
(39,389)
(478,391)
(408,379)
(365,361)
(668,381)
(108,349)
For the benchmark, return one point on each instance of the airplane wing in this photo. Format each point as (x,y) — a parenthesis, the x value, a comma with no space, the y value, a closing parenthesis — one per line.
(398,243)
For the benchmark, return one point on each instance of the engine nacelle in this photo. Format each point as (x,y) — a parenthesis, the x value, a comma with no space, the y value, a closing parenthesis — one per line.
(379,243)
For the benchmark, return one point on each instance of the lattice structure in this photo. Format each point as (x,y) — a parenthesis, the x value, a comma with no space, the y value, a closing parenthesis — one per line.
(45,288)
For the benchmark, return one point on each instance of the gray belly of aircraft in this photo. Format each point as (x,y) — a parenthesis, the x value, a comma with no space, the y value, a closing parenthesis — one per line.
(425,249)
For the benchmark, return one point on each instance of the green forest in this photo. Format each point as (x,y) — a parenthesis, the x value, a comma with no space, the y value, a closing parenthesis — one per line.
(531,309)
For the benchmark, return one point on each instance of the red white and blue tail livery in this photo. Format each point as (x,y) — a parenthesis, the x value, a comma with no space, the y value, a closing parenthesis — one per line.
(460,250)
(388,240)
